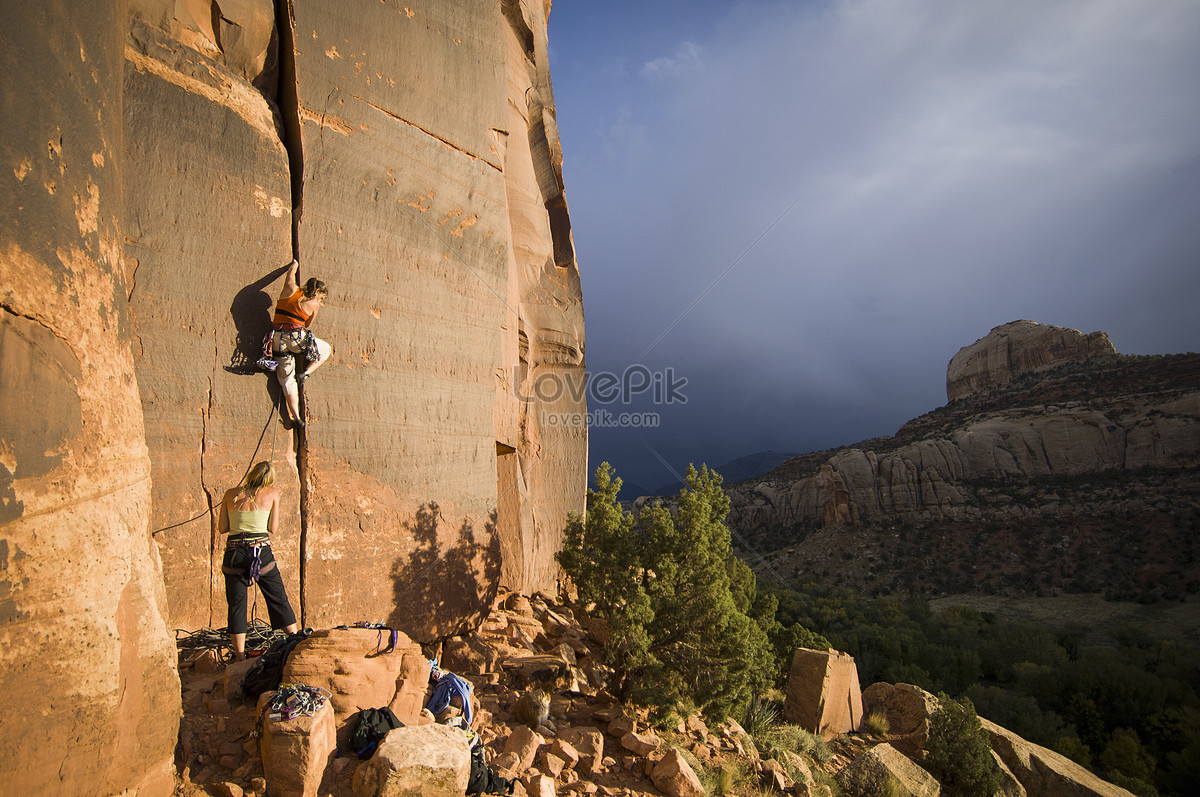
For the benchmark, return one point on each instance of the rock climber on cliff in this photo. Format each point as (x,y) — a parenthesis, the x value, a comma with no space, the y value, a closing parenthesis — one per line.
(290,338)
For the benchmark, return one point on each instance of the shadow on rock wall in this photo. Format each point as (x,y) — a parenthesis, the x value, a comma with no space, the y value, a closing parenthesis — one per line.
(251,313)
(438,582)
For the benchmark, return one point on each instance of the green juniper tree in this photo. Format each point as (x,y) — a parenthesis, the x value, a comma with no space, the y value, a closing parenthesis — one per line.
(662,581)
(960,756)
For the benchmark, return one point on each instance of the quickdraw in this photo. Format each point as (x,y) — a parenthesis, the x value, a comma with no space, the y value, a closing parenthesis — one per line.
(296,700)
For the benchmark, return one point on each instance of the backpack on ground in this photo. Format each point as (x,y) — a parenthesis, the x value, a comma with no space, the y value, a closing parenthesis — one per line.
(373,725)
(482,779)
(267,671)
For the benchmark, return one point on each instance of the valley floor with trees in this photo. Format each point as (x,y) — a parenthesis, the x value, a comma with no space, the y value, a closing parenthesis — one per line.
(691,628)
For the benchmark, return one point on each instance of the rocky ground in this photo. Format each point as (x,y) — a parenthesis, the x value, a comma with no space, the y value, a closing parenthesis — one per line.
(547,722)
(218,749)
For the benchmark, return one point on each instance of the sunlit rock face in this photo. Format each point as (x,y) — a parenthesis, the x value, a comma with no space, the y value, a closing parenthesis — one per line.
(1017,348)
(408,155)
(87,665)
(165,159)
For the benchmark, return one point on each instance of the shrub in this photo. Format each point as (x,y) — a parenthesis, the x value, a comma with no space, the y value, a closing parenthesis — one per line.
(877,724)
(759,718)
(960,756)
(665,585)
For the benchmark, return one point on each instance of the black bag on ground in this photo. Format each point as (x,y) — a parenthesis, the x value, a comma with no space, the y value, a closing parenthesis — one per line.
(483,780)
(267,671)
(373,725)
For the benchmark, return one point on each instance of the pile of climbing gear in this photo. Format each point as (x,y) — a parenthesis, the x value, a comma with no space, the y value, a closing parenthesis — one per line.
(194,644)
(296,700)
(447,685)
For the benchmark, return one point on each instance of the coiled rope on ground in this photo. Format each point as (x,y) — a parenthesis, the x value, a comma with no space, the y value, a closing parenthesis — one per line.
(194,644)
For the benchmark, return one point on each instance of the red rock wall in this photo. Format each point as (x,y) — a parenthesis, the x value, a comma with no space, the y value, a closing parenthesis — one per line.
(207,228)
(407,154)
(86,662)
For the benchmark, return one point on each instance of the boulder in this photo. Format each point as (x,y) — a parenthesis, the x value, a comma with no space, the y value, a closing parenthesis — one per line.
(1043,772)
(565,751)
(468,655)
(642,744)
(351,664)
(233,676)
(883,771)
(296,752)
(674,776)
(524,743)
(588,742)
(430,760)
(823,692)
(1017,348)
(542,670)
(412,684)
(539,786)
(908,709)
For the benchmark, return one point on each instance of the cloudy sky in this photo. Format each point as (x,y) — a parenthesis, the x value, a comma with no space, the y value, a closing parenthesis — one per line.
(805,209)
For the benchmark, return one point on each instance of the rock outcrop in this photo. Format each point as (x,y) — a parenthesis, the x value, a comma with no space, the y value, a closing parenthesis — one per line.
(1045,773)
(930,479)
(408,156)
(87,664)
(1018,348)
(1023,453)
(823,693)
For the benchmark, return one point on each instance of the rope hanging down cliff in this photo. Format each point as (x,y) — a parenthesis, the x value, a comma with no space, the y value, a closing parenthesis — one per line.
(250,464)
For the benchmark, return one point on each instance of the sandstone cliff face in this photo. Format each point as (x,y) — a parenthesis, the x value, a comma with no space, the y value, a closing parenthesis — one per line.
(87,665)
(407,154)
(165,160)
(1017,348)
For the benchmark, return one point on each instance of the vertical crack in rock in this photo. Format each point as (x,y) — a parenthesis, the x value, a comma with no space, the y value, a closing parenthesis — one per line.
(212,531)
(305,510)
(288,98)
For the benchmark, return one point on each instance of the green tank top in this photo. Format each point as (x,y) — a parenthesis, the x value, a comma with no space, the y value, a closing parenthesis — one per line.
(248,526)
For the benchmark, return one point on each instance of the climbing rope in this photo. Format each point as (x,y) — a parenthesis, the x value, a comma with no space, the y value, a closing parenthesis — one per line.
(250,464)
(192,645)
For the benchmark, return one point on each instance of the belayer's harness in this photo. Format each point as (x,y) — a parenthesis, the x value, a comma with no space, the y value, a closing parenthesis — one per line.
(256,568)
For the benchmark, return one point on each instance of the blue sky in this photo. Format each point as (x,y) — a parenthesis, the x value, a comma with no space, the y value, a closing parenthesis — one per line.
(805,209)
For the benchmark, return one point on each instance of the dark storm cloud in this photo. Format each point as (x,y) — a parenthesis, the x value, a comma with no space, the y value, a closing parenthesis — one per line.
(941,168)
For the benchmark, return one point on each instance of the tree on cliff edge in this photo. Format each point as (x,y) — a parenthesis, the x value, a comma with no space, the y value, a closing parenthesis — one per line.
(662,581)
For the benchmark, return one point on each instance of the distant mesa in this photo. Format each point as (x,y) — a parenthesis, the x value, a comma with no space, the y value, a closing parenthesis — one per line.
(1017,348)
